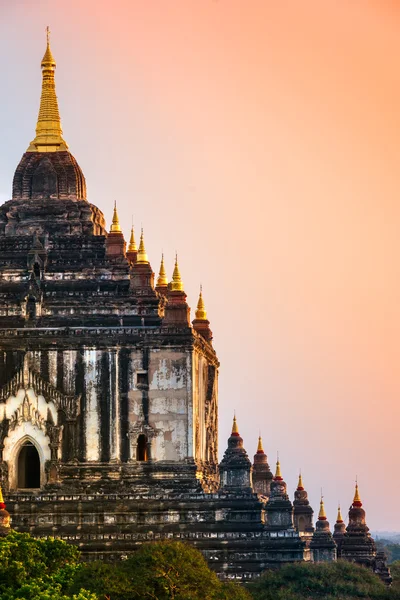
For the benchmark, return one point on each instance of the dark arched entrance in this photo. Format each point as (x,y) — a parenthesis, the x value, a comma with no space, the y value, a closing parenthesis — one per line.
(141,449)
(28,467)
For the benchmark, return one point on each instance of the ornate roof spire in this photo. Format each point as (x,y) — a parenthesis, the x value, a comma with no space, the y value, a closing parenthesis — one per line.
(115,226)
(300,485)
(142,254)
(339,518)
(48,128)
(322,513)
(201,313)
(260,449)
(278,474)
(132,243)
(357,499)
(235,429)
(176,283)
(162,276)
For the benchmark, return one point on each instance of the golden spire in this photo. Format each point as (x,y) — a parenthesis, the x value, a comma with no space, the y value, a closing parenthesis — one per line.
(142,255)
(339,518)
(235,429)
(176,283)
(115,226)
(132,244)
(278,474)
(162,280)
(48,128)
(1,497)
(300,485)
(357,499)
(260,449)
(201,313)
(322,513)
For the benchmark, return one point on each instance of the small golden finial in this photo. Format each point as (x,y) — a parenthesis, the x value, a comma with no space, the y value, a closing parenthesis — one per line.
(2,503)
(300,485)
(162,280)
(357,499)
(339,518)
(260,449)
(235,429)
(278,474)
(322,513)
(48,35)
(142,254)
(201,313)
(176,283)
(115,226)
(132,243)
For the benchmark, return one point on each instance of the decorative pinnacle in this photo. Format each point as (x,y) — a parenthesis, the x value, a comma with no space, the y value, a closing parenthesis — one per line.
(278,474)
(142,255)
(48,128)
(201,313)
(115,226)
(339,518)
(2,503)
(300,485)
(260,449)
(132,243)
(357,499)
(235,429)
(176,283)
(322,513)
(162,280)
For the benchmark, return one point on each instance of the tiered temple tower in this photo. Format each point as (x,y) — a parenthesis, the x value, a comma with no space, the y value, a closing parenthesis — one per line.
(302,511)
(322,545)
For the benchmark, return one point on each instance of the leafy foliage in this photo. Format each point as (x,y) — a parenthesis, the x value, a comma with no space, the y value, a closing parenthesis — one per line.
(336,580)
(37,569)
(395,571)
(160,571)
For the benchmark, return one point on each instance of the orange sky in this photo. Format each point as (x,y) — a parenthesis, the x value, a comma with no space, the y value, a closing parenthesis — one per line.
(260,140)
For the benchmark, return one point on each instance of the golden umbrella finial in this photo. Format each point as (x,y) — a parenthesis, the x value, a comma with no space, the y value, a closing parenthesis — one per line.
(201,313)
(132,243)
(48,127)
(278,474)
(322,513)
(300,485)
(162,280)
(357,499)
(339,518)
(176,283)
(142,254)
(115,226)
(260,449)
(235,429)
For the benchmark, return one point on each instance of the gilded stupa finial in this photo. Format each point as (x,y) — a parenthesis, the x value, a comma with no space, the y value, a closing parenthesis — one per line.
(162,280)
(278,474)
(115,226)
(235,429)
(142,254)
(201,313)
(176,283)
(322,513)
(260,449)
(300,485)
(132,243)
(48,128)
(357,499)
(339,518)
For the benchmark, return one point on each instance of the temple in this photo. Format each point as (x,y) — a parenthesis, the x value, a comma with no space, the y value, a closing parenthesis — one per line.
(109,392)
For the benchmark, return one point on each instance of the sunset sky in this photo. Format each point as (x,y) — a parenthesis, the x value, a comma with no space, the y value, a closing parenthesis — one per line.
(259,139)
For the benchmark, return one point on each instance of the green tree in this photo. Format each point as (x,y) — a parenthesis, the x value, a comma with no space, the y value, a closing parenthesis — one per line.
(38,569)
(395,571)
(327,581)
(160,571)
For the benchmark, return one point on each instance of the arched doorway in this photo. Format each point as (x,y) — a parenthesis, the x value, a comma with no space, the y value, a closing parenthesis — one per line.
(28,467)
(141,448)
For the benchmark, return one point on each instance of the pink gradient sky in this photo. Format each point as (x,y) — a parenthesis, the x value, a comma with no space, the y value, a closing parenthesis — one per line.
(260,140)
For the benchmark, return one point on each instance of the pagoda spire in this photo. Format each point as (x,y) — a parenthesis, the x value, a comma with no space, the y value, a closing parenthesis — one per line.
(201,313)
(260,449)
(115,225)
(262,475)
(278,474)
(142,257)
(357,499)
(322,513)
(132,247)
(339,518)
(48,128)
(176,283)
(235,429)
(162,280)
(300,485)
